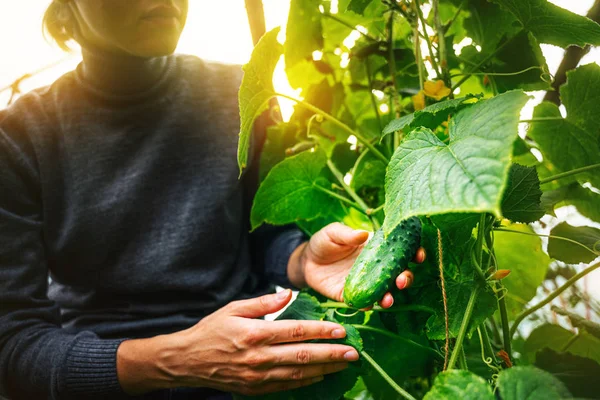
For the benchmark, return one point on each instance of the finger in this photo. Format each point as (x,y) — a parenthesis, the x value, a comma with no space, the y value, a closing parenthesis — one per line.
(387,301)
(260,306)
(280,386)
(344,235)
(288,373)
(298,331)
(310,353)
(404,280)
(420,256)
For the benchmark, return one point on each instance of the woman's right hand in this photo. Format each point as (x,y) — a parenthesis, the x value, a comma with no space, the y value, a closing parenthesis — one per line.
(232,351)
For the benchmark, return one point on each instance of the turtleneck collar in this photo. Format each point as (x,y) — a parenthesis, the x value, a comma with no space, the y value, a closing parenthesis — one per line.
(123,78)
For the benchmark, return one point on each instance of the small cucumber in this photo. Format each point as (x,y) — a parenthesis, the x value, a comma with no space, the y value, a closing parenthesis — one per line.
(380,262)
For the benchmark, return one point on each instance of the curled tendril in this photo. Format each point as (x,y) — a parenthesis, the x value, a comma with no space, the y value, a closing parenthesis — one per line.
(346,315)
(487,360)
(504,292)
(275,114)
(318,118)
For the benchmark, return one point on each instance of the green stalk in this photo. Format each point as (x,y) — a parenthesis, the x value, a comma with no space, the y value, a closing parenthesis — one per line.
(551,237)
(507,337)
(340,198)
(372,211)
(462,360)
(371,95)
(442,44)
(396,337)
(482,62)
(386,377)
(487,344)
(417,50)
(400,308)
(569,173)
(436,67)
(551,297)
(348,25)
(540,119)
(463,327)
(339,123)
(336,172)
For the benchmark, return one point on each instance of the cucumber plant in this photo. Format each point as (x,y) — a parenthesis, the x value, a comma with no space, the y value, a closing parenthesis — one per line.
(411,110)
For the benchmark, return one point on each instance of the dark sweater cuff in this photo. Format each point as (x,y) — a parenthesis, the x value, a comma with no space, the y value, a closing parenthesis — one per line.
(278,256)
(91,369)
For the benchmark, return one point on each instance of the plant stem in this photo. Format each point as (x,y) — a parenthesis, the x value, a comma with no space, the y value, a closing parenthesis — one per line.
(336,172)
(495,330)
(441,32)
(482,62)
(386,377)
(418,57)
(396,337)
(551,297)
(551,237)
(507,337)
(462,360)
(348,25)
(487,344)
(340,198)
(400,308)
(434,63)
(339,123)
(372,211)
(569,173)
(540,119)
(372,96)
(463,327)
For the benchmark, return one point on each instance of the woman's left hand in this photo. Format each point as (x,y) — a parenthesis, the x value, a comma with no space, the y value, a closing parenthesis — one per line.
(325,260)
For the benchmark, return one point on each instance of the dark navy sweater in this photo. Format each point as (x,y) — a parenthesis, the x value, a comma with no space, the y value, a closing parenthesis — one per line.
(132,205)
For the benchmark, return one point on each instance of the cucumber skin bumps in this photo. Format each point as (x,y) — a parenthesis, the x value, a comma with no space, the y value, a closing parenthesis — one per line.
(380,262)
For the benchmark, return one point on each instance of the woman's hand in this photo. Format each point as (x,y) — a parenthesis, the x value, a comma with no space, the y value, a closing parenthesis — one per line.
(324,262)
(231,351)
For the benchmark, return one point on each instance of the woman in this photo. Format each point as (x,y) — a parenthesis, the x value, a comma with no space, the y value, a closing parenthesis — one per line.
(120,182)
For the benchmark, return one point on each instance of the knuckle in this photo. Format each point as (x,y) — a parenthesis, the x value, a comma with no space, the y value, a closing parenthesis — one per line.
(252,337)
(251,378)
(303,357)
(254,360)
(264,301)
(298,332)
(297,374)
(337,354)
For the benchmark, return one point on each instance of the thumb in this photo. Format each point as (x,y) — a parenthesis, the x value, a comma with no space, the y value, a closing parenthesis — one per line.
(261,306)
(344,235)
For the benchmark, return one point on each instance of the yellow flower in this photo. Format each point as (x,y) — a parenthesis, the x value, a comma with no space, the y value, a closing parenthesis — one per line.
(419,101)
(436,90)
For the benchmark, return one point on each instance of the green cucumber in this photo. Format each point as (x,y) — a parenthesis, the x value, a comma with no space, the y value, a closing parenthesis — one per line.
(380,262)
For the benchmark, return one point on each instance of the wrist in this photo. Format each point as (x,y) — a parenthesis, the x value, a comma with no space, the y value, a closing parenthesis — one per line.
(296,266)
(141,365)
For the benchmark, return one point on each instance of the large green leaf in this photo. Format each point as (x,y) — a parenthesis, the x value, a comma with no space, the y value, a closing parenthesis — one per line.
(404,361)
(429,117)
(530,383)
(524,257)
(573,142)
(304,307)
(586,201)
(552,24)
(358,6)
(570,252)
(289,193)
(459,385)
(427,176)
(304,33)
(333,387)
(256,89)
(559,339)
(579,374)
(521,201)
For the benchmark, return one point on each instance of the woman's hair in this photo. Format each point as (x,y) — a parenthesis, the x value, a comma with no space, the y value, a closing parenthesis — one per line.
(59,23)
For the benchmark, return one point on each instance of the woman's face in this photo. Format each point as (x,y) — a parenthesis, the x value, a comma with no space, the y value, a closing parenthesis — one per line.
(144,28)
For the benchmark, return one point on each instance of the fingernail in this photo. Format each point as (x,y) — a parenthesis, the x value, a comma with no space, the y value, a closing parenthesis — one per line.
(283,294)
(351,355)
(338,333)
(402,282)
(317,379)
